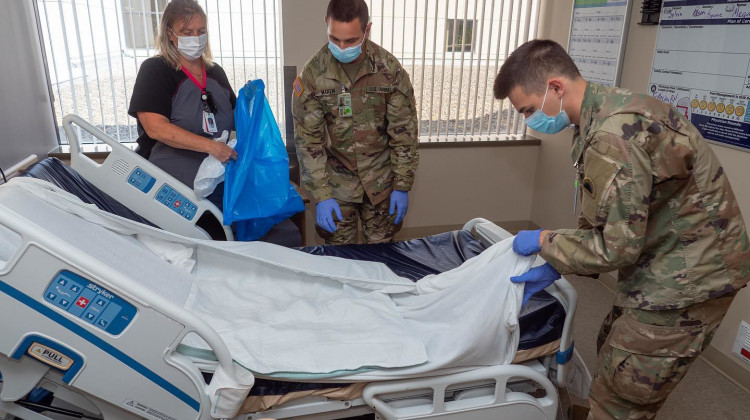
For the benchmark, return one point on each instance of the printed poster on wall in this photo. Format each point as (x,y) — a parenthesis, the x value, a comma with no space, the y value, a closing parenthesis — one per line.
(596,38)
(702,66)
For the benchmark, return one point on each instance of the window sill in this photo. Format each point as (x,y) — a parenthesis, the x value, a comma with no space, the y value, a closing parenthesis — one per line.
(101,151)
(426,142)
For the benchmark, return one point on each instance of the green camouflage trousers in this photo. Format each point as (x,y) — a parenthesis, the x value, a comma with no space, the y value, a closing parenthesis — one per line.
(377,224)
(643,355)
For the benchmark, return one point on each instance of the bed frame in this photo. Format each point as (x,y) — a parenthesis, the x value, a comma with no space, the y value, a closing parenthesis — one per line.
(172,386)
(519,391)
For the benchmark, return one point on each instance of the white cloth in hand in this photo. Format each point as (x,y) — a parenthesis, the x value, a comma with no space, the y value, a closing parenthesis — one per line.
(211,172)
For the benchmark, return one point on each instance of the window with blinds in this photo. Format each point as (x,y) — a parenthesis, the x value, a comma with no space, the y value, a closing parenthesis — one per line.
(453,50)
(94,48)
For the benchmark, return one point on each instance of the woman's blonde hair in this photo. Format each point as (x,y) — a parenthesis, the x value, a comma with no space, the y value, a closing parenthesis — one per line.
(174,12)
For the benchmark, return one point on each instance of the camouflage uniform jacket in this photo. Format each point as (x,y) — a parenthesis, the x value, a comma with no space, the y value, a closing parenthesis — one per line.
(656,205)
(375,150)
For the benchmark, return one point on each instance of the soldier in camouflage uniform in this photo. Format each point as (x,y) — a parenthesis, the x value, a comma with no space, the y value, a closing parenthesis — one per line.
(656,206)
(355,131)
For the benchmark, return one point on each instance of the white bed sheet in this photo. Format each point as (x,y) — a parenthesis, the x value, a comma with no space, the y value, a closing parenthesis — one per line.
(290,314)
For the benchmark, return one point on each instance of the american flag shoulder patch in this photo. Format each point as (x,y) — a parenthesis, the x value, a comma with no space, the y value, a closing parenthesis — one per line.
(298,88)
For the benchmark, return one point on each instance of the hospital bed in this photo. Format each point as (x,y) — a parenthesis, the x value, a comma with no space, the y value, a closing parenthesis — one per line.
(63,352)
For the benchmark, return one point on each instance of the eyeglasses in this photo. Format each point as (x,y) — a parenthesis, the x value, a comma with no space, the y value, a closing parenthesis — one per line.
(208,101)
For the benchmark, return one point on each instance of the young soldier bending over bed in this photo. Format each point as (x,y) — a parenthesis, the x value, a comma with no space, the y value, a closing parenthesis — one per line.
(656,206)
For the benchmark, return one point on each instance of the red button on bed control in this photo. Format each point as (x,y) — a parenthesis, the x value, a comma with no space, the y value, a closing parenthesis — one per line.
(82,302)
(177,203)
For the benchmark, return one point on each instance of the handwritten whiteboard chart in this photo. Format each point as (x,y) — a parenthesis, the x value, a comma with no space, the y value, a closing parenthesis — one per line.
(597,40)
(702,66)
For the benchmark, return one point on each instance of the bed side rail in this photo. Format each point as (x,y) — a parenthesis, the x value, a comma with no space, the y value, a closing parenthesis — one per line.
(391,399)
(488,232)
(572,372)
(136,345)
(144,188)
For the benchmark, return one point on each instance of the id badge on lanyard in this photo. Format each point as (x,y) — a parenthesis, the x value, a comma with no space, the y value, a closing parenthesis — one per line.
(208,122)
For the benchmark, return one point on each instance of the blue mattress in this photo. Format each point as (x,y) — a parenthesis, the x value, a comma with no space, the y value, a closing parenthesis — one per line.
(55,172)
(541,320)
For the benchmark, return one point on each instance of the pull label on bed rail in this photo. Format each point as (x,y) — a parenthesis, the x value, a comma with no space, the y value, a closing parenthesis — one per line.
(49,356)
(51,353)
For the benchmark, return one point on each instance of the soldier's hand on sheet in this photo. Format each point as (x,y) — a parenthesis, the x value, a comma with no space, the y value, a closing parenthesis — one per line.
(536,279)
(526,242)
(399,204)
(324,216)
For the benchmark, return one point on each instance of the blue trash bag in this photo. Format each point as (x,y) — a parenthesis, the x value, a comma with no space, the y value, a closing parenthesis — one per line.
(257,191)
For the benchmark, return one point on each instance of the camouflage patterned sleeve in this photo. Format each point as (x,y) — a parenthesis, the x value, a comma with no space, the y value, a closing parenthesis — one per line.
(309,140)
(616,188)
(401,115)
(583,223)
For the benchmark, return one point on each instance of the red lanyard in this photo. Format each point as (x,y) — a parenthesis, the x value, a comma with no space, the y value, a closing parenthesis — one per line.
(197,83)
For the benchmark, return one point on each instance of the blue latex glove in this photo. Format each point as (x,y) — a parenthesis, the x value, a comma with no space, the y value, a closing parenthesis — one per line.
(536,279)
(399,204)
(527,242)
(323,215)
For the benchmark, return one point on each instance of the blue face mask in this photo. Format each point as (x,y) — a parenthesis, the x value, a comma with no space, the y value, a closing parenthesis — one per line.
(543,123)
(347,55)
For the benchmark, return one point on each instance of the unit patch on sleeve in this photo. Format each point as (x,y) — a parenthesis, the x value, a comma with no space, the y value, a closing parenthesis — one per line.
(298,88)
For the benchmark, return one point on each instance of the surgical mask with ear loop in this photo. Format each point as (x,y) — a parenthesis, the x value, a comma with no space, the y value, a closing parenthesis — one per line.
(543,123)
(346,55)
(191,47)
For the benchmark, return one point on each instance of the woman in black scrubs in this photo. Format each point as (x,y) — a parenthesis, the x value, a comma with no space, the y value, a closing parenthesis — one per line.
(182,100)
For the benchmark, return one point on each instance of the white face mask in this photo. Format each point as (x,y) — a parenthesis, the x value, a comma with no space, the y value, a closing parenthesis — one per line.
(191,47)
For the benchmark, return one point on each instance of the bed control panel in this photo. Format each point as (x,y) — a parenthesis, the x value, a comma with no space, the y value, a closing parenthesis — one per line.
(141,180)
(176,201)
(90,302)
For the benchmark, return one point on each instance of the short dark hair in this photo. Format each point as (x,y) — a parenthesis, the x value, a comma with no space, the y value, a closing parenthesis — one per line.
(348,10)
(531,64)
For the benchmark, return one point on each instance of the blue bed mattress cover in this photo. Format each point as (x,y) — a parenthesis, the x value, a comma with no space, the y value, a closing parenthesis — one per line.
(56,172)
(541,320)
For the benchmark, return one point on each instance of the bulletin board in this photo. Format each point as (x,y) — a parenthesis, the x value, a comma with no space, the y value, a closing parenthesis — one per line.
(597,38)
(702,67)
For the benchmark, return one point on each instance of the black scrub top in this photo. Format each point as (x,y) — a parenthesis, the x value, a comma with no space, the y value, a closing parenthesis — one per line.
(161,89)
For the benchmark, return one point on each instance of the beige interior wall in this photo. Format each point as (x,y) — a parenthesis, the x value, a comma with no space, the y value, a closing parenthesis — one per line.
(302,29)
(454,185)
(553,180)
